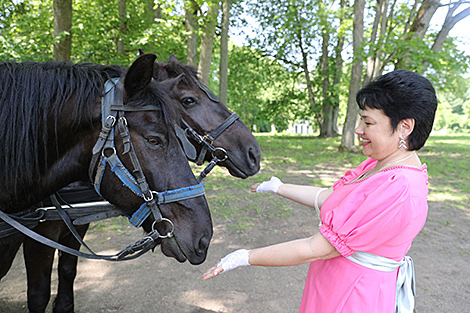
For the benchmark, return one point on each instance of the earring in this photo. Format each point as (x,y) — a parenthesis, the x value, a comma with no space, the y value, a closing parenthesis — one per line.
(402,145)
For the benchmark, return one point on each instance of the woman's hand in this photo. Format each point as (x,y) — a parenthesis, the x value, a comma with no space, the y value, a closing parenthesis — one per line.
(229,262)
(271,185)
(212,272)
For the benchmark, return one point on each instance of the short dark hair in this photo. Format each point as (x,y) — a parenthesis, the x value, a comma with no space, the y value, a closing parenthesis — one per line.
(403,94)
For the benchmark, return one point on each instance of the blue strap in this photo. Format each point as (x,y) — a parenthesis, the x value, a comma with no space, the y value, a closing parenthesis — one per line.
(124,175)
(140,215)
(180,194)
(166,197)
(120,171)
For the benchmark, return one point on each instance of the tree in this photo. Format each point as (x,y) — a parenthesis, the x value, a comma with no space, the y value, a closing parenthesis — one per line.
(191,9)
(347,141)
(290,34)
(223,66)
(62,10)
(207,43)
(122,27)
(395,33)
(331,67)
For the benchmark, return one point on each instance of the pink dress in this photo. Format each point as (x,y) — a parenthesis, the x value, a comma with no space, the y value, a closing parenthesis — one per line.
(381,214)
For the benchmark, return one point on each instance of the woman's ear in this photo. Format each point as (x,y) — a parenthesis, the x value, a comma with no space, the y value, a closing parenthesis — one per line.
(406,126)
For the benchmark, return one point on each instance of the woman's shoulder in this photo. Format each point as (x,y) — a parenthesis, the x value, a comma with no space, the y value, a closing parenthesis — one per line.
(356,172)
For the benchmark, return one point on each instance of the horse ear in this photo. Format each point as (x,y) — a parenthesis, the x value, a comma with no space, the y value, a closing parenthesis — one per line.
(141,52)
(173,59)
(159,71)
(139,74)
(171,83)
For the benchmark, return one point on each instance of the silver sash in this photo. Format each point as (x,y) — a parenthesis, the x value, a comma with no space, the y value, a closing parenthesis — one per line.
(405,292)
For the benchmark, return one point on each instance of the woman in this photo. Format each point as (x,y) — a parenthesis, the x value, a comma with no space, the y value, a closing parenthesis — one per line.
(370,216)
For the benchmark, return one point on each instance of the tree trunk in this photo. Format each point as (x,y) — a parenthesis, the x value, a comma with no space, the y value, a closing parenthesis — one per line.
(347,141)
(337,76)
(62,11)
(190,16)
(153,14)
(311,96)
(375,45)
(120,43)
(207,42)
(223,67)
(154,9)
(419,27)
(423,18)
(326,126)
(449,23)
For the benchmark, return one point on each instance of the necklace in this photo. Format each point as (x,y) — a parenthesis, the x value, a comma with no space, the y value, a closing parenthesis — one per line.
(364,175)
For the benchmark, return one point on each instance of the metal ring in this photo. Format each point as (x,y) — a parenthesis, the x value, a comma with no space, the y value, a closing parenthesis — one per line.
(113,118)
(107,148)
(148,199)
(168,234)
(223,151)
(123,119)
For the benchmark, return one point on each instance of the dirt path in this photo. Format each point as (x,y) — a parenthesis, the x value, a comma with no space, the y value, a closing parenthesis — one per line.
(154,283)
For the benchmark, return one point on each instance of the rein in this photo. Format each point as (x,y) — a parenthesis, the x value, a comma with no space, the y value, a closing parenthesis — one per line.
(104,154)
(112,112)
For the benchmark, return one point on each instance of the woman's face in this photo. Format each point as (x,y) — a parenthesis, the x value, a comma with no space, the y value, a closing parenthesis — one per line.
(378,139)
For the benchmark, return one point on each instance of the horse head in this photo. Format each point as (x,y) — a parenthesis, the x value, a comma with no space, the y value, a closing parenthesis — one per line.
(163,164)
(205,113)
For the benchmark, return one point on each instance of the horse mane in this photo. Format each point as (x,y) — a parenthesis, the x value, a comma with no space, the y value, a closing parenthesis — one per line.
(32,96)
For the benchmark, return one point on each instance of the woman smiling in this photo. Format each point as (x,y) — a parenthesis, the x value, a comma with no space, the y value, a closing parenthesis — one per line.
(370,216)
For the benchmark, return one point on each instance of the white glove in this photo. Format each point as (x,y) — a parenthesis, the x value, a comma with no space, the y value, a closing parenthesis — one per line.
(235,259)
(271,185)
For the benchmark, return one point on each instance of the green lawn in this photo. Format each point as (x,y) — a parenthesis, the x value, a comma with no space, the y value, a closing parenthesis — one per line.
(448,160)
(289,157)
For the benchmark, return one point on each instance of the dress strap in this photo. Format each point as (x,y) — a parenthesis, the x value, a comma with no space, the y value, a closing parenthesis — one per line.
(405,291)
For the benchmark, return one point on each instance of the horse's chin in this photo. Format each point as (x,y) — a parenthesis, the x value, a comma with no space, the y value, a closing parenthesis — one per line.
(170,248)
(234,170)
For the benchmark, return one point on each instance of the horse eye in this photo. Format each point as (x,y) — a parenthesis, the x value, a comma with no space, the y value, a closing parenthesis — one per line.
(189,102)
(154,141)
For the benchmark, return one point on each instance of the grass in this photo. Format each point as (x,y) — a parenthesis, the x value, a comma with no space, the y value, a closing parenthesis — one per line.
(447,158)
(449,166)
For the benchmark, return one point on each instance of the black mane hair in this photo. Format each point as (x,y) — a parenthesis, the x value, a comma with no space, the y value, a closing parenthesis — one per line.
(32,96)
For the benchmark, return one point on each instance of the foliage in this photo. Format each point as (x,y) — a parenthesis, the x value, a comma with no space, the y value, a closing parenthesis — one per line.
(453,114)
(262,91)
(266,80)
(26,30)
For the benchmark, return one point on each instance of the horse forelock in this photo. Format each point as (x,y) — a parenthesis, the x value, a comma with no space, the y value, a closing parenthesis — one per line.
(158,96)
(32,97)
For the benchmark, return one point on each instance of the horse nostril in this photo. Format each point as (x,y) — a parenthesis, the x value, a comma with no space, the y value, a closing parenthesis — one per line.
(203,244)
(253,157)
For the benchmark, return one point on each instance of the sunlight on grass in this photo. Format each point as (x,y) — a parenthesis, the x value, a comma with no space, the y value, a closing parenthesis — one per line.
(440,196)
(318,162)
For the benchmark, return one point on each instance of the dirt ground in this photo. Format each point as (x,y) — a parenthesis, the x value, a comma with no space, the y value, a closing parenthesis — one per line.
(155,283)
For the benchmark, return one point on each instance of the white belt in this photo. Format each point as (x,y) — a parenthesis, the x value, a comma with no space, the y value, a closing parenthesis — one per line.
(405,292)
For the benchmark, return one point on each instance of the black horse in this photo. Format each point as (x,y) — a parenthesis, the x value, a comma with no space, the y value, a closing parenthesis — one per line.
(205,115)
(51,119)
